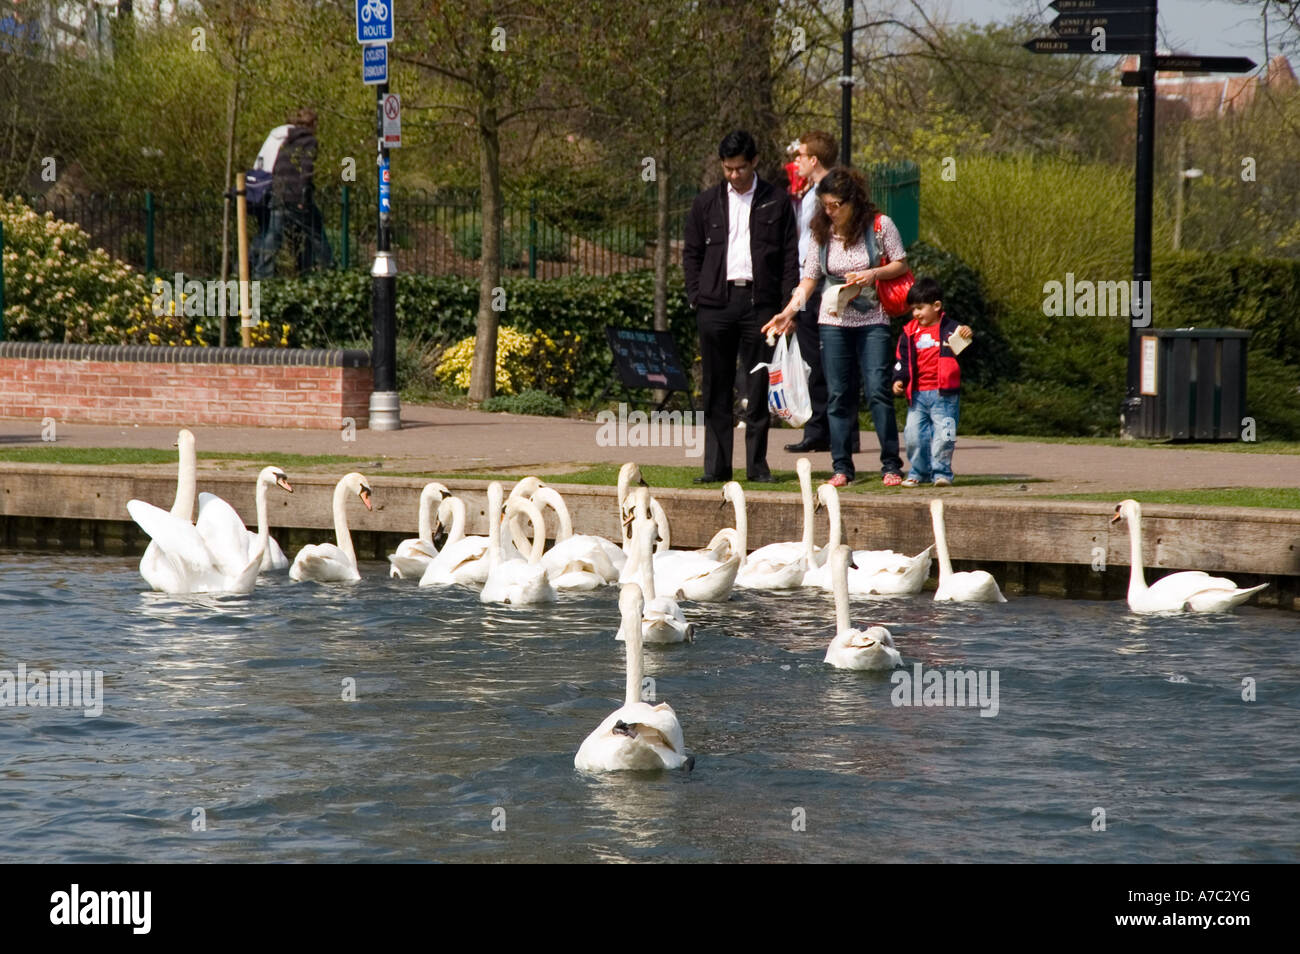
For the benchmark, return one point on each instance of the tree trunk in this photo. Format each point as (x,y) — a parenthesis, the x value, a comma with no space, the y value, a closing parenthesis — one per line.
(232,110)
(482,380)
(661,245)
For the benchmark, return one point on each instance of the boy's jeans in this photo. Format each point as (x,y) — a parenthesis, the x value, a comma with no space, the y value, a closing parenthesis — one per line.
(931,435)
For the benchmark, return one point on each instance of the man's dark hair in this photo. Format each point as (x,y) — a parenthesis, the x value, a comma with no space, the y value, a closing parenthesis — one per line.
(924,291)
(738,143)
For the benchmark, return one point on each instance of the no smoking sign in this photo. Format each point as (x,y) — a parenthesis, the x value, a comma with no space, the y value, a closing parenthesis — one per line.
(392,121)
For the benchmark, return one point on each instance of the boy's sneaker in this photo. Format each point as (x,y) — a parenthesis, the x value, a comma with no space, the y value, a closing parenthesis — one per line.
(911,482)
(943,481)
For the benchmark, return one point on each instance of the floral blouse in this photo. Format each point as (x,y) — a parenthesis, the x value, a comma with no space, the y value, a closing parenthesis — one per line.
(865,309)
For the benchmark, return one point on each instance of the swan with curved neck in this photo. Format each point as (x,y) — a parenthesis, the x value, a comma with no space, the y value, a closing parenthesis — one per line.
(777,566)
(878,572)
(514,580)
(210,556)
(637,736)
(334,562)
(871,648)
(975,586)
(462,559)
(414,555)
(1190,591)
(581,561)
(156,569)
(662,619)
(689,574)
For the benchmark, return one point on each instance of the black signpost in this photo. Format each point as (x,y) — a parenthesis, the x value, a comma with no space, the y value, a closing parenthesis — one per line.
(1129,26)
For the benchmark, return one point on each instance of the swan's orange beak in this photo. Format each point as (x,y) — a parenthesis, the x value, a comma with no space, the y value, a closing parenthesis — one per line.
(283,482)
(365,497)
(1118,516)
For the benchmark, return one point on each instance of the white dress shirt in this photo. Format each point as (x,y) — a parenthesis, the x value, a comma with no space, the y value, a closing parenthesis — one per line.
(807,209)
(740,265)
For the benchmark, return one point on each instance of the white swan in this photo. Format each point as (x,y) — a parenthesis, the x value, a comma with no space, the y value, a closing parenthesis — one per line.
(662,619)
(872,648)
(157,570)
(975,586)
(334,562)
(637,736)
(462,560)
(878,572)
(777,566)
(414,555)
(582,561)
(1192,590)
(515,581)
(210,556)
(705,575)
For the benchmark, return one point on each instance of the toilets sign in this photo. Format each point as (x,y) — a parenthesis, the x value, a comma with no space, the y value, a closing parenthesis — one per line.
(374,21)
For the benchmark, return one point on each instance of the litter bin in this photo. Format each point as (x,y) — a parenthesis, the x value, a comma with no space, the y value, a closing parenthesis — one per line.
(1193,384)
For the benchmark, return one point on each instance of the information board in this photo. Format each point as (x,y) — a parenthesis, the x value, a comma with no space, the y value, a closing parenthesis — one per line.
(647,359)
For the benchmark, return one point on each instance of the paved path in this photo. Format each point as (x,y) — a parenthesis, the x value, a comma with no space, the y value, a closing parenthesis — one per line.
(442,440)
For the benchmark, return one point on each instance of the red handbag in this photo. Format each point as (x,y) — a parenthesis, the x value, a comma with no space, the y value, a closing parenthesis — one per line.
(892,292)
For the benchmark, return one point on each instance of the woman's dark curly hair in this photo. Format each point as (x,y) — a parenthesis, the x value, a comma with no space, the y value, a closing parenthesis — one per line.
(846,185)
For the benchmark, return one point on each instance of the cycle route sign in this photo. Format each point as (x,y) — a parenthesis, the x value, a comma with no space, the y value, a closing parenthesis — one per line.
(375,21)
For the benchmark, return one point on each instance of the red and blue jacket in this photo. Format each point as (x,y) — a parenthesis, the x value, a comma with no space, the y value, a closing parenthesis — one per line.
(905,369)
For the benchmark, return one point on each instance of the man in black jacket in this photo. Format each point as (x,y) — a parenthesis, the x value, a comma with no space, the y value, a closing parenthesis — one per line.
(293,203)
(741,259)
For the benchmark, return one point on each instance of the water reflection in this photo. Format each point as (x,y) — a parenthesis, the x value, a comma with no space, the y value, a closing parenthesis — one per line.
(238,703)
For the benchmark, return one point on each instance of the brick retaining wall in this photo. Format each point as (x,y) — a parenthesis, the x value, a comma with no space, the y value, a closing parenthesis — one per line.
(133,384)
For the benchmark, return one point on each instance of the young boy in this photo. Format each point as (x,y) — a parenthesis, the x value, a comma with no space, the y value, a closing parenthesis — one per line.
(928,373)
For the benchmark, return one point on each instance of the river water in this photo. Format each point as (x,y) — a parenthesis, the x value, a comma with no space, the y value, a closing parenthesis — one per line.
(225,735)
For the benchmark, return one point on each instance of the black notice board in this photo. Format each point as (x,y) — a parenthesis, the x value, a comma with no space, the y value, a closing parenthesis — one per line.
(647,359)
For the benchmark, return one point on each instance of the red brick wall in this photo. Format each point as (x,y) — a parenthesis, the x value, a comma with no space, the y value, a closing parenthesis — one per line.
(131,392)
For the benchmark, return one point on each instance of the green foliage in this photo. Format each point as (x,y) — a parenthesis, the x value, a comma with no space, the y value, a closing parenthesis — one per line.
(622,240)
(59,288)
(468,243)
(328,308)
(1022,221)
(526,402)
(964,301)
(1237,291)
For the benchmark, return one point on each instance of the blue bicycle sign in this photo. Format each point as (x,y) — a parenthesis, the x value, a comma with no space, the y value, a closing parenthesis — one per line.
(374,21)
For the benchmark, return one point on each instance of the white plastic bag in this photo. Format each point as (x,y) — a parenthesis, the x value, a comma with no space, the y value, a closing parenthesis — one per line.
(787,383)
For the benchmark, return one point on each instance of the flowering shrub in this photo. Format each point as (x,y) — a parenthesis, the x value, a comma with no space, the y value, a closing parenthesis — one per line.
(524,362)
(58,288)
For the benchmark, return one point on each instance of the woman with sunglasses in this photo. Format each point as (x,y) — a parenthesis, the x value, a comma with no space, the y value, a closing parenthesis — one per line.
(846,251)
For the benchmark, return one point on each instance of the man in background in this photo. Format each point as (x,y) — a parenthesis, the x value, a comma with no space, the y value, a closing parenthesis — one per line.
(293,203)
(815,155)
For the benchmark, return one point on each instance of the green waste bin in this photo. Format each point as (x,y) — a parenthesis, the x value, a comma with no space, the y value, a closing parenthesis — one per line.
(1192,384)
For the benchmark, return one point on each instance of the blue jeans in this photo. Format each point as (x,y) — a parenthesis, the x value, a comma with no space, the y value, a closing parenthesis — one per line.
(306,232)
(931,434)
(867,348)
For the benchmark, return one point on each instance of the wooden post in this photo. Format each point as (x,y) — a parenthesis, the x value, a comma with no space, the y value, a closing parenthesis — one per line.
(245,315)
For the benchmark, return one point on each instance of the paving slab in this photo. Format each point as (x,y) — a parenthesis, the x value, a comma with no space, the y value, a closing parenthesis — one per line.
(445,440)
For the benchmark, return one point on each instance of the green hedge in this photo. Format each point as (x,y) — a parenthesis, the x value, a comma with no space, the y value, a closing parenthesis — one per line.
(1027,374)
(326,309)
(1261,295)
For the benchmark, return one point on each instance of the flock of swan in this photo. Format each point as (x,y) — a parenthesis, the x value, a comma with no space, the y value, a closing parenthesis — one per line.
(510,565)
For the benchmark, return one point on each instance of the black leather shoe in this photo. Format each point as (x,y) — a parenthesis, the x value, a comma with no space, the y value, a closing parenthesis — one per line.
(805,447)
(710,479)
(765,479)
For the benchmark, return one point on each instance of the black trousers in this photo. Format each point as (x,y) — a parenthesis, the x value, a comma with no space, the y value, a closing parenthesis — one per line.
(726,334)
(810,346)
